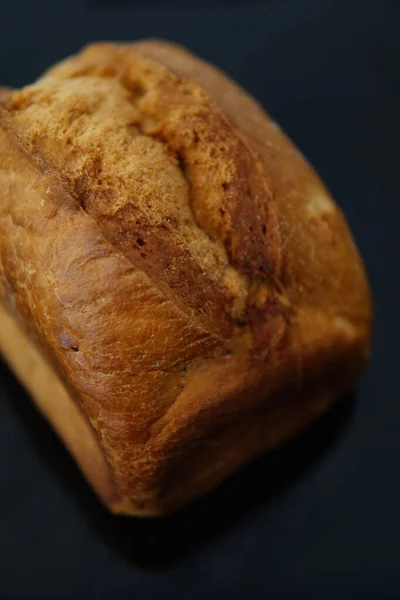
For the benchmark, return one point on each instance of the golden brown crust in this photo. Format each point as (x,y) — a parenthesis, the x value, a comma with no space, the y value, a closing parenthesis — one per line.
(52,398)
(178,263)
(4,92)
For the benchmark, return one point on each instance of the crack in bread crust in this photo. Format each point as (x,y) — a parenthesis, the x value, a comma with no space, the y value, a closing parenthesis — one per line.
(179,193)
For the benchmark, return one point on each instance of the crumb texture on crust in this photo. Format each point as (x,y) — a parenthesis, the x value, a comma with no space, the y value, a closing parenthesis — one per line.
(177,263)
(161,170)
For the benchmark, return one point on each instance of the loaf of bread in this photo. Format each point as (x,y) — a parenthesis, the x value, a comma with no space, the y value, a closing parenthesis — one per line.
(179,292)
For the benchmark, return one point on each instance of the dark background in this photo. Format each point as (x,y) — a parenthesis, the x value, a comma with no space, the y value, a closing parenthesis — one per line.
(319,518)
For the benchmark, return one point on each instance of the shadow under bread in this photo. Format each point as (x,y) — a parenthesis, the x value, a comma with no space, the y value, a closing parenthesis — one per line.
(162,542)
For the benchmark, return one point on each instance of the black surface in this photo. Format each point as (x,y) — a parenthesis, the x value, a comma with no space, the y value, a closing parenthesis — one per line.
(321,517)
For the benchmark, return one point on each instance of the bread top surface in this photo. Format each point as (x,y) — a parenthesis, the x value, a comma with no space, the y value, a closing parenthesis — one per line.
(169,244)
(165,175)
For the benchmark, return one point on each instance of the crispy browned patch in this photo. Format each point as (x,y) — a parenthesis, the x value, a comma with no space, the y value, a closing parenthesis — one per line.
(163,172)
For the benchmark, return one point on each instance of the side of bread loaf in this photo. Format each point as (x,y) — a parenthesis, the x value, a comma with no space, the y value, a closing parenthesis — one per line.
(178,270)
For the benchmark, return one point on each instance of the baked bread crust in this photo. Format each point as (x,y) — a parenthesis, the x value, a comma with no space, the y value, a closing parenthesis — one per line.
(175,265)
